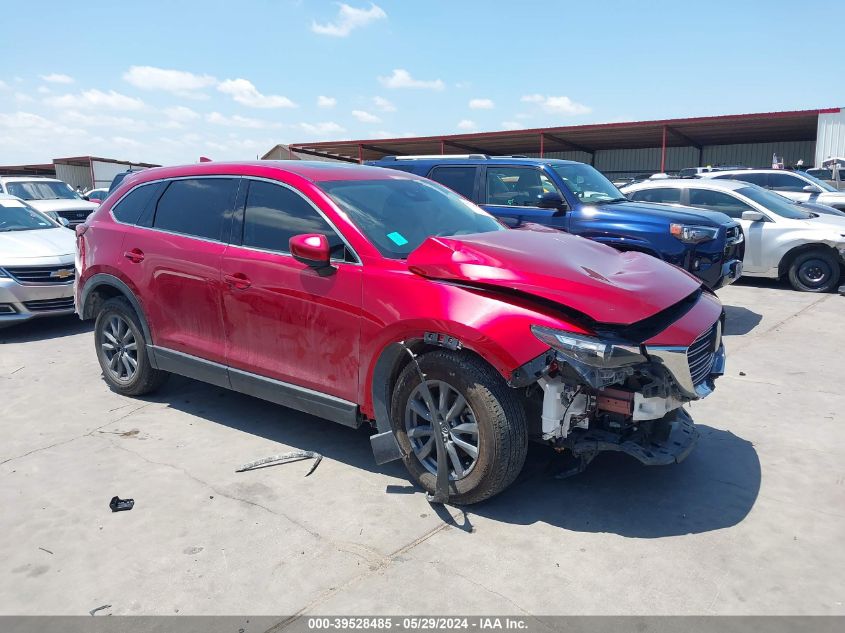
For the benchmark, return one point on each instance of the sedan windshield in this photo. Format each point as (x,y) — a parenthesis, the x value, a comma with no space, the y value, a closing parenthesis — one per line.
(821,183)
(775,203)
(16,216)
(398,214)
(588,184)
(42,190)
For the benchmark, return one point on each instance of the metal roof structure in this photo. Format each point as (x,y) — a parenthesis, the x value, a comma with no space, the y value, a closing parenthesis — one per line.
(797,125)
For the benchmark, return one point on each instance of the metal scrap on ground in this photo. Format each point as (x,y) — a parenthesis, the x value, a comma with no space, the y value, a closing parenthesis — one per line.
(283,458)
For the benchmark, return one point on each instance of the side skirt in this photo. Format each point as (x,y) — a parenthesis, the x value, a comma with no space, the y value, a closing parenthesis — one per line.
(300,398)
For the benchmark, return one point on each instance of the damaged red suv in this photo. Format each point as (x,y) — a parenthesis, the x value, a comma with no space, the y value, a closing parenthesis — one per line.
(369,296)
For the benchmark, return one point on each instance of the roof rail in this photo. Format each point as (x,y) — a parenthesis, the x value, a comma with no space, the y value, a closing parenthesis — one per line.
(423,156)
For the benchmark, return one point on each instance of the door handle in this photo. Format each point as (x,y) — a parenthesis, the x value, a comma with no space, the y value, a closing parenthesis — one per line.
(136,255)
(238,280)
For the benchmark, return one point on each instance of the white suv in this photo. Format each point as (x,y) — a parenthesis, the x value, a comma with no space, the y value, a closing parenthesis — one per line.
(795,185)
(52,197)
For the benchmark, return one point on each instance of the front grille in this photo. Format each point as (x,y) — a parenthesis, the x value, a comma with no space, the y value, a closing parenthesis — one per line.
(701,354)
(75,217)
(48,305)
(42,274)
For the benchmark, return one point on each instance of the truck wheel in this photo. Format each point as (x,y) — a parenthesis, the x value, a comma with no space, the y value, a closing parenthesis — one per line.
(122,351)
(814,271)
(487,432)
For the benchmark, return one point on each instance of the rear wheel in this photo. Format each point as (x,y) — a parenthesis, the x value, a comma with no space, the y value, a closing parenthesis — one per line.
(122,351)
(814,271)
(487,439)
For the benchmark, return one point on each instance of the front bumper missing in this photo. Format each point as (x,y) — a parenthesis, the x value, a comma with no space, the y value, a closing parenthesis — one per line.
(681,438)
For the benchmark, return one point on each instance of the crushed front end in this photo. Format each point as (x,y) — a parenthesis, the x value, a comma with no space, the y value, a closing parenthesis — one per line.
(623,389)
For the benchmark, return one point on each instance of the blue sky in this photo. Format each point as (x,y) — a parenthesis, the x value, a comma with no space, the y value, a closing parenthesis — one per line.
(170,81)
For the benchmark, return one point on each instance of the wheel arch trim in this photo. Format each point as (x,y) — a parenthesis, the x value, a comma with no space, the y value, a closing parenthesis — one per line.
(104,279)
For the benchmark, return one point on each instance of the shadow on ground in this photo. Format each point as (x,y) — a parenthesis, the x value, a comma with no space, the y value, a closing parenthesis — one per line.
(714,488)
(45,328)
(739,320)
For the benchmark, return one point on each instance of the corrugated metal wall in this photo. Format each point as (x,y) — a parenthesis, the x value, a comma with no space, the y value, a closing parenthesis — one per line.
(760,154)
(830,136)
(74,175)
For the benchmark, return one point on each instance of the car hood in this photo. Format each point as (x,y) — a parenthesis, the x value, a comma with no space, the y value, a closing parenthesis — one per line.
(46,206)
(37,243)
(674,212)
(825,222)
(597,280)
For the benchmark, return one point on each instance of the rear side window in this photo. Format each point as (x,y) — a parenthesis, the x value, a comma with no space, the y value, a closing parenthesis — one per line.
(274,214)
(717,201)
(786,182)
(665,195)
(459,179)
(132,205)
(754,179)
(196,206)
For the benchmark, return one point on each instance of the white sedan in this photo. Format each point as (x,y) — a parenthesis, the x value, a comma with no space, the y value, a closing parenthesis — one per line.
(781,238)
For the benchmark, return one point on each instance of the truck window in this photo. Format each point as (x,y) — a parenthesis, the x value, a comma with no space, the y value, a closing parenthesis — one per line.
(459,179)
(516,186)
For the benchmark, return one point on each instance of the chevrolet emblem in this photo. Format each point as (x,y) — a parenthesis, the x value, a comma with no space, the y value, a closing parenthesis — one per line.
(62,273)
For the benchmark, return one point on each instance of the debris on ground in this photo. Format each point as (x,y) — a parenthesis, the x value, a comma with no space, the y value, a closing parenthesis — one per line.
(44,549)
(105,606)
(283,458)
(119,505)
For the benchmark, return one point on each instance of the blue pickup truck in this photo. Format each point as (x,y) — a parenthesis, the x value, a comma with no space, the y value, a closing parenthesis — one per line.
(576,198)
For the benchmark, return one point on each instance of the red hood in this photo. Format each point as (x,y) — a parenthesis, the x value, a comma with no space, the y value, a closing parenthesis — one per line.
(597,280)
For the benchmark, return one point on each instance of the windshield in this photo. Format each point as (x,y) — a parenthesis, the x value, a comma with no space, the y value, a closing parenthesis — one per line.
(42,190)
(820,183)
(587,184)
(16,216)
(775,203)
(398,214)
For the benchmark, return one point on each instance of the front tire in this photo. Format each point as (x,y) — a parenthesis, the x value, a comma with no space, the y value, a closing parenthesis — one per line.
(487,439)
(122,350)
(814,271)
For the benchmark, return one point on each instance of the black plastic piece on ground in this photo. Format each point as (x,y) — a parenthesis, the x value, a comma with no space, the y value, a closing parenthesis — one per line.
(119,505)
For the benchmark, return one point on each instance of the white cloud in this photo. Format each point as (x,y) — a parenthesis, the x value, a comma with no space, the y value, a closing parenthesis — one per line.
(512,125)
(57,78)
(237,120)
(466,124)
(384,105)
(3,85)
(323,129)
(180,113)
(401,78)
(73,117)
(245,93)
(179,82)
(326,102)
(559,105)
(22,97)
(110,100)
(365,117)
(481,104)
(348,19)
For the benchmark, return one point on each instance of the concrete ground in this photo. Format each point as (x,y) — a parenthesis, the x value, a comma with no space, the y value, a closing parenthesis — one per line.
(752,523)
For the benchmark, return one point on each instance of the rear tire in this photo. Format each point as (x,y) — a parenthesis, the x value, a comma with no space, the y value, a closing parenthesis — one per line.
(122,350)
(492,408)
(814,271)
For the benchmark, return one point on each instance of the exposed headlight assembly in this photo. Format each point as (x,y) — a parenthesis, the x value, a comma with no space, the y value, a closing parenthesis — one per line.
(693,234)
(587,349)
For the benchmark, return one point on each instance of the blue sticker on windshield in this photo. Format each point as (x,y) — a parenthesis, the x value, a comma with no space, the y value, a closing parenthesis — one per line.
(397,238)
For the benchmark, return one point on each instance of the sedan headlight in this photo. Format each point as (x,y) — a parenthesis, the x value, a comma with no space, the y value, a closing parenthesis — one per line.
(693,234)
(587,349)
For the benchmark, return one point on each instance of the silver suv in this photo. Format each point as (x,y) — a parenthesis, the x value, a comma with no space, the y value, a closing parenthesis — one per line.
(36,264)
(52,197)
(795,185)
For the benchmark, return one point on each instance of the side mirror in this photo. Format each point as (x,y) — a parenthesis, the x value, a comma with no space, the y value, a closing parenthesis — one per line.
(64,221)
(753,216)
(311,249)
(811,189)
(553,200)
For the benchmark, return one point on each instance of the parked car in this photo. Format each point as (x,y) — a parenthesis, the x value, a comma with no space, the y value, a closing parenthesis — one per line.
(115,183)
(795,185)
(826,174)
(36,263)
(96,195)
(575,198)
(367,296)
(53,197)
(782,238)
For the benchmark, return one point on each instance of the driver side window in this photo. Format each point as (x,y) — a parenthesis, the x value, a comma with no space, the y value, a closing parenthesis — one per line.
(718,201)
(516,186)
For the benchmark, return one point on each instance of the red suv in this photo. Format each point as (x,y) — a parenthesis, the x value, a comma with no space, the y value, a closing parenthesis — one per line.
(369,296)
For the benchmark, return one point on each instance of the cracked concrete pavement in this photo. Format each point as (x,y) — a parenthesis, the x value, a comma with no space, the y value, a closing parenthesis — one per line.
(751,523)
